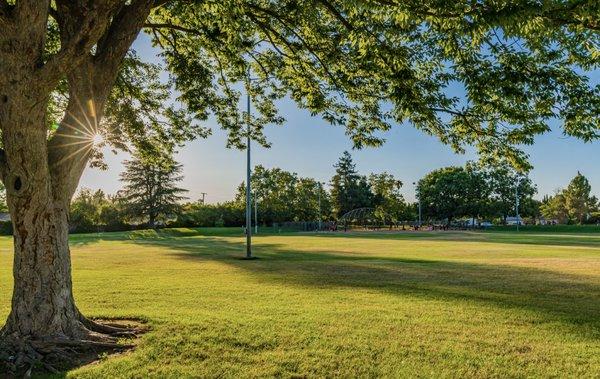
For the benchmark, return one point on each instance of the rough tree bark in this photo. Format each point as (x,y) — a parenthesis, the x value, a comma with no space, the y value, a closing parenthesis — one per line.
(42,175)
(41,180)
(42,298)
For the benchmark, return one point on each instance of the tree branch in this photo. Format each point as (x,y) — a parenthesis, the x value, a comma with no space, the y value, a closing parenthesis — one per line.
(159,3)
(121,33)
(171,26)
(560,15)
(76,46)
(90,81)
(304,43)
(332,9)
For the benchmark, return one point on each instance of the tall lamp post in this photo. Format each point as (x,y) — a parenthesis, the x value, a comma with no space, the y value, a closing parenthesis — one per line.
(414,184)
(255,214)
(248,176)
(319,189)
(517,202)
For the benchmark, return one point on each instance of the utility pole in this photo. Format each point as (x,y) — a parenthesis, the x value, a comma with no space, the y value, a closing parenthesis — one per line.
(248,176)
(203,194)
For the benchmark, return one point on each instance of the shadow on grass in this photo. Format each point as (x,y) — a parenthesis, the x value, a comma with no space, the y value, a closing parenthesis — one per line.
(572,300)
(521,238)
(591,240)
(568,301)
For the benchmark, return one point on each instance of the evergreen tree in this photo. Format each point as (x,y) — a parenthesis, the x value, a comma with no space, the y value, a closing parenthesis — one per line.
(151,188)
(349,190)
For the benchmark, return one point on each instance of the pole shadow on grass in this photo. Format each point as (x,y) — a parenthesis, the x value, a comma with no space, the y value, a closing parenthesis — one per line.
(570,299)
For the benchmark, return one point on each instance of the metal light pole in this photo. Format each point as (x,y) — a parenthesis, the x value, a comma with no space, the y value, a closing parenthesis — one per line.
(248,176)
(419,207)
(319,191)
(255,214)
(517,202)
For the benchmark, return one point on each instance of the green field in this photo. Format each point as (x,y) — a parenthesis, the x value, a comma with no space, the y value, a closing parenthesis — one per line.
(444,304)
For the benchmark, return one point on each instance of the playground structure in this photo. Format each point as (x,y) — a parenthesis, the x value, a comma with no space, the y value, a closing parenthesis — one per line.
(367,219)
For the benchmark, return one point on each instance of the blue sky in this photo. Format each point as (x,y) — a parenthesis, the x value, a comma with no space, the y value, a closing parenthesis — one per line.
(309,146)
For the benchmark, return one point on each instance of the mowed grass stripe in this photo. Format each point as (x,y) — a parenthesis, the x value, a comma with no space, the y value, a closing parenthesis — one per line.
(392,305)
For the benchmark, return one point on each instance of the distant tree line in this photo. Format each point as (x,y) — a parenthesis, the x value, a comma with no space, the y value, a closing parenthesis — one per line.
(476,192)
(151,198)
(284,196)
(492,193)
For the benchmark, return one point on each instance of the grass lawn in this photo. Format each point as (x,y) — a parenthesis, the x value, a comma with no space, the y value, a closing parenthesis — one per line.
(443,304)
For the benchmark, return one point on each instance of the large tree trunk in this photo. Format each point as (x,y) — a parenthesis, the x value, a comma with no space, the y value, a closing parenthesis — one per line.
(41,176)
(42,302)
(40,179)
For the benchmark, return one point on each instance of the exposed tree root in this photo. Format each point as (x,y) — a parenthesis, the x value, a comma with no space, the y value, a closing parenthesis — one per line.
(112,328)
(21,357)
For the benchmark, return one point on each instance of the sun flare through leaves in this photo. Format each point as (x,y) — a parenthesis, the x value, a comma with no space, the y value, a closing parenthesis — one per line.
(80,134)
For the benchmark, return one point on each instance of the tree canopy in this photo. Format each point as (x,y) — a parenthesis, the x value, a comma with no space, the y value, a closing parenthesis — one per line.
(284,196)
(490,73)
(474,191)
(442,193)
(573,204)
(505,184)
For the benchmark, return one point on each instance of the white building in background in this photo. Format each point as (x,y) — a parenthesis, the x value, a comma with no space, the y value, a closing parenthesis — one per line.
(545,221)
(470,223)
(514,221)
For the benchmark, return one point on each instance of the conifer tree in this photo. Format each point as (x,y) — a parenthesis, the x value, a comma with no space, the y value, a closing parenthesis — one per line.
(151,189)
(349,190)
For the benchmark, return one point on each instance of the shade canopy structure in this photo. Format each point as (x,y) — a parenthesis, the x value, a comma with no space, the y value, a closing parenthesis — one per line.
(367,218)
